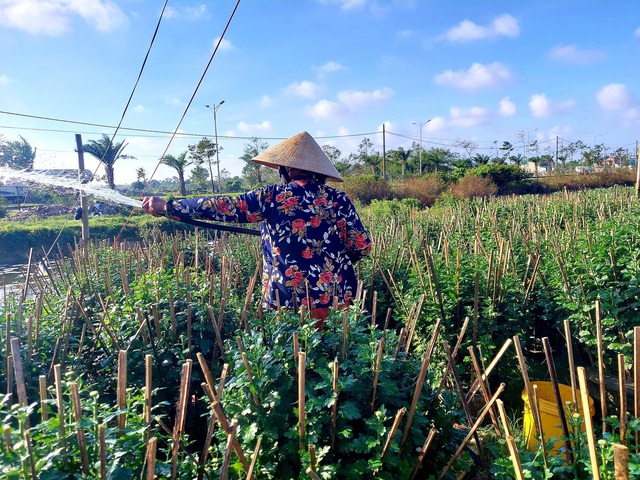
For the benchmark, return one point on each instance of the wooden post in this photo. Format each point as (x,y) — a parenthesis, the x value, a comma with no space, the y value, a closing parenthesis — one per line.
(591,441)
(621,461)
(302,360)
(83,196)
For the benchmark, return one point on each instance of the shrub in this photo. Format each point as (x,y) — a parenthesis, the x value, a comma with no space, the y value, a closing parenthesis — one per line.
(573,182)
(366,188)
(471,186)
(425,189)
(508,178)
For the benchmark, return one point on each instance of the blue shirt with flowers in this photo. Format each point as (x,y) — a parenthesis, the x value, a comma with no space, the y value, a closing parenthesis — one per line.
(311,237)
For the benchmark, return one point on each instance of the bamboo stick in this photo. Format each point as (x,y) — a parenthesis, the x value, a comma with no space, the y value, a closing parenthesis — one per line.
(584,394)
(44,410)
(32,461)
(423,453)
(376,373)
(148,388)
(19,373)
(494,362)
(254,459)
(623,398)
(216,330)
(621,461)
(312,474)
(334,407)
(224,423)
(312,457)
(82,440)
(224,470)
(181,415)
(393,431)
(486,392)
(636,376)
(553,377)
(572,367)
(601,379)
(60,404)
(302,360)
(223,376)
(529,390)
(122,390)
(151,458)
(472,430)
(8,443)
(420,380)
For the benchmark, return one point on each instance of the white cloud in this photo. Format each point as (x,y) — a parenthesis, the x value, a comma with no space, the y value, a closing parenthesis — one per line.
(266,101)
(4,80)
(541,106)
(52,17)
(615,96)
(305,89)
(573,54)
(175,102)
(327,68)
(468,117)
(190,13)
(637,32)
(503,26)
(357,99)
(477,77)
(140,109)
(225,45)
(255,127)
(326,109)
(507,108)
(404,33)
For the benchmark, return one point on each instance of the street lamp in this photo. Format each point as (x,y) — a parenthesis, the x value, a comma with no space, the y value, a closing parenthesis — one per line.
(214,109)
(422,124)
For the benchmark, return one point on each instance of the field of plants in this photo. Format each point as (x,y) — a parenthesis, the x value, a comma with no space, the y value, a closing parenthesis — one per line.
(155,360)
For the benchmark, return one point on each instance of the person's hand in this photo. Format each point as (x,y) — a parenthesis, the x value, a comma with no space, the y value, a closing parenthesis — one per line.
(155,206)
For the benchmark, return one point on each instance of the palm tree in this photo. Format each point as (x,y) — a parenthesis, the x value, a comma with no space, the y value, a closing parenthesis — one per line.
(108,153)
(179,164)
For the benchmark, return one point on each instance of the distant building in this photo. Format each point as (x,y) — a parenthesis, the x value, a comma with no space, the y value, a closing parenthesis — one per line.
(539,169)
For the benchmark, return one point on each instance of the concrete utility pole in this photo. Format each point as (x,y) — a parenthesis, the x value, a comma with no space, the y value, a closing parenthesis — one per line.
(214,109)
(83,196)
(422,124)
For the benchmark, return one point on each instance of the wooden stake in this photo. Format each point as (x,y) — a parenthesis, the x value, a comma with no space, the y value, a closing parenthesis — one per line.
(44,409)
(302,360)
(334,407)
(8,443)
(393,431)
(224,423)
(312,474)
(60,404)
(486,392)
(148,388)
(224,470)
(122,390)
(476,384)
(151,458)
(636,375)
(601,372)
(588,423)
(420,380)
(623,398)
(572,367)
(621,461)
(32,461)
(82,441)
(254,459)
(181,415)
(223,376)
(423,453)
(376,373)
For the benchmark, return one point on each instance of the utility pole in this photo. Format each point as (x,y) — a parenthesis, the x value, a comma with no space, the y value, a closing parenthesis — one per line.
(422,124)
(83,195)
(384,154)
(214,109)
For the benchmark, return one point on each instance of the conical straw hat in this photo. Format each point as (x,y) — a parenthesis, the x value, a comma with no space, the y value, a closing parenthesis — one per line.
(302,152)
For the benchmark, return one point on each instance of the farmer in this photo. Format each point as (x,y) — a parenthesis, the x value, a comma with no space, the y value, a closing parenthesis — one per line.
(311,233)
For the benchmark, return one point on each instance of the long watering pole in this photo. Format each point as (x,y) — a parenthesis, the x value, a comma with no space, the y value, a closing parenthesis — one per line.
(221,227)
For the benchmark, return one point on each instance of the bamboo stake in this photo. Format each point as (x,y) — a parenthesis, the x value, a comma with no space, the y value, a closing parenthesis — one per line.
(494,362)
(181,415)
(486,392)
(60,404)
(247,367)
(254,459)
(302,360)
(420,380)
(32,461)
(423,453)
(44,410)
(472,431)
(224,470)
(223,376)
(636,375)
(7,438)
(122,390)
(312,457)
(216,330)
(377,372)
(572,367)
(224,423)
(151,458)
(393,431)
(82,441)
(19,374)
(148,390)
(558,397)
(584,394)
(623,398)
(601,379)
(621,461)
(334,407)
(312,474)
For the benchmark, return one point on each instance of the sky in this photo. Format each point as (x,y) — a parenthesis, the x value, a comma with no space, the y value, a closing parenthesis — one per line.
(435,71)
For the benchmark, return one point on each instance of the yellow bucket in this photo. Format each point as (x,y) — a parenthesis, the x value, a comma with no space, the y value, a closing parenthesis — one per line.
(551,423)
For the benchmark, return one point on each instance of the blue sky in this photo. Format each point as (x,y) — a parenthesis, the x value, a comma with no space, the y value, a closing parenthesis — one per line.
(485,71)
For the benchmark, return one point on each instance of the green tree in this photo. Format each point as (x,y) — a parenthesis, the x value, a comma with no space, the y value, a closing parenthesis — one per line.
(252,171)
(179,164)
(205,151)
(16,154)
(401,156)
(141,180)
(108,153)
(199,178)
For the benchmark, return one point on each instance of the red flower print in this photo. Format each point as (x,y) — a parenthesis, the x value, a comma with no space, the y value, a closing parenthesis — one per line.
(223,207)
(324,298)
(316,221)
(307,253)
(298,224)
(326,277)
(280,197)
(253,218)
(320,202)
(290,202)
(361,241)
(289,272)
(243,206)
(342,223)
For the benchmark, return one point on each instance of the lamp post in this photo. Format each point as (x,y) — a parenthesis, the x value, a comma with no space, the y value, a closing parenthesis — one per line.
(214,109)
(422,124)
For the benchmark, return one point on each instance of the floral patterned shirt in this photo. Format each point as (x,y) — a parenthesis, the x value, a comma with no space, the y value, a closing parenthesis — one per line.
(311,237)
